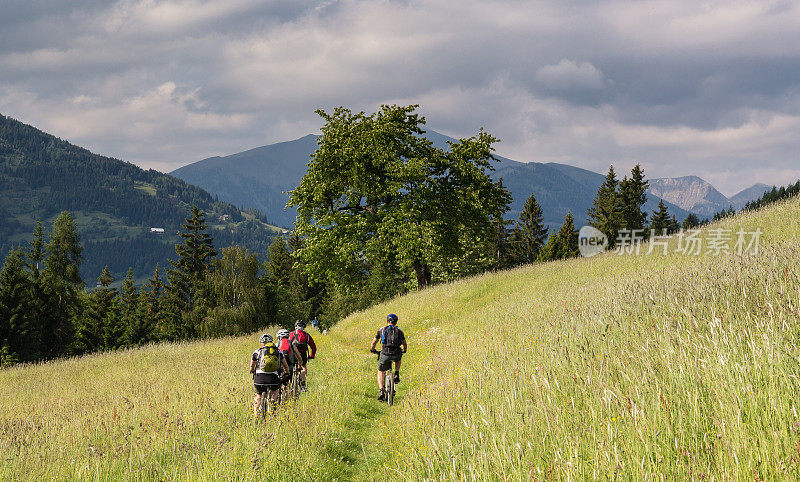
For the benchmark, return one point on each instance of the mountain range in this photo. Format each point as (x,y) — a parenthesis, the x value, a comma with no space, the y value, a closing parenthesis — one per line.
(261,177)
(126,216)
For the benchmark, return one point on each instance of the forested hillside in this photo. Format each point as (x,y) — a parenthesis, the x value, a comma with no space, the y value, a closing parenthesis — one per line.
(114,203)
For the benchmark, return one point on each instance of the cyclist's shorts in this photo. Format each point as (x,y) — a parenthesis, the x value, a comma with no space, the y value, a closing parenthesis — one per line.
(303,357)
(385,361)
(271,382)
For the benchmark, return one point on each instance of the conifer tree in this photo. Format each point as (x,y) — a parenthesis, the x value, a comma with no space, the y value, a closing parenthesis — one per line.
(605,213)
(632,200)
(189,292)
(279,263)
(100,326)
(129,301)
(691,221)
(149,317)
(662,221)
(530,233)
(63,282)
(563,243)
(16,332)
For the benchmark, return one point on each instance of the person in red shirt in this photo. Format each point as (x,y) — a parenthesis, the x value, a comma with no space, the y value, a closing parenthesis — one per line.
(289,351)
(305,346)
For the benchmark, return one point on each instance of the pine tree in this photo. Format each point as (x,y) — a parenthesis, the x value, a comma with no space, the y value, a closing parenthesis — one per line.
(605,213)
(662,221)
(189,292)
(129,302)
(632,199)
(16,332)
(691,221)
(530,233)
(279,263)
(562,244)
(63,283)
(149,317)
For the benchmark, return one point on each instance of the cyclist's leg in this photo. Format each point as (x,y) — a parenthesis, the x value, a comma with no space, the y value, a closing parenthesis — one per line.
(257,401)
(303,369)
(275,394)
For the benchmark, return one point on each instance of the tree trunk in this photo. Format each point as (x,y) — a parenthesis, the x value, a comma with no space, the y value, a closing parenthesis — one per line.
(423,273)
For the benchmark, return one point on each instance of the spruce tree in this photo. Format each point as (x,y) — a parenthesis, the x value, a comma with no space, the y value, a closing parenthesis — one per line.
(530,233)
(632,199)
(279,263)
(16,332)
(691,221)
(149,319)
(605,213)
(129,301)
(188,289)
(63,283)
(661,221)
(568,239)
(562,244)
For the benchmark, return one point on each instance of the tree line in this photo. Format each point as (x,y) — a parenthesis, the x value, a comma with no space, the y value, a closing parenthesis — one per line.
(46,312)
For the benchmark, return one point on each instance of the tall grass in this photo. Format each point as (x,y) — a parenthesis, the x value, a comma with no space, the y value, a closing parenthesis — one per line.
(625,367)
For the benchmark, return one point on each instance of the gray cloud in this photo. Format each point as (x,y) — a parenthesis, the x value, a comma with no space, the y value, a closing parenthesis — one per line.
(684,88)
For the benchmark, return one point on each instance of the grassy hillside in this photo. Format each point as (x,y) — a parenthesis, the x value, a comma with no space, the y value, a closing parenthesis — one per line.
(114,204)
(611,367)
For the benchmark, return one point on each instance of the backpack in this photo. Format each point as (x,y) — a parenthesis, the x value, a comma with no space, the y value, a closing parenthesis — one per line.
(268,359)
(301,340)
(390,338)
(286,348)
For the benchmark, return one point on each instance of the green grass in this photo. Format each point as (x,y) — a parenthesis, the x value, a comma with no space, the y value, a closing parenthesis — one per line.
(617,367)
(145,187)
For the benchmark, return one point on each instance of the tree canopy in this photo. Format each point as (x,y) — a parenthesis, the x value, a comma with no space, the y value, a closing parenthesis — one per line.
(378,193)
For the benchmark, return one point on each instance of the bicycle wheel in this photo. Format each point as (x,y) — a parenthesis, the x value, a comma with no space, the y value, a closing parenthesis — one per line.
(389,384)
(295,385)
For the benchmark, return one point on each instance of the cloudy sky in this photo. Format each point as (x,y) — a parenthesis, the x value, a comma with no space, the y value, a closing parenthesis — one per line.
(710,88)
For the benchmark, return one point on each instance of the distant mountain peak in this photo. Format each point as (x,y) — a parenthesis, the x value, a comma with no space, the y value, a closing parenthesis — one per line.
(691,193)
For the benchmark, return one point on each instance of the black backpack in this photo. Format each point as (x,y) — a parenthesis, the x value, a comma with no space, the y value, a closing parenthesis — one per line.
(390,338)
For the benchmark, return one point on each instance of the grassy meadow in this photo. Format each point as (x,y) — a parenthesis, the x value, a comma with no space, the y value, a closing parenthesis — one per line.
(657,367)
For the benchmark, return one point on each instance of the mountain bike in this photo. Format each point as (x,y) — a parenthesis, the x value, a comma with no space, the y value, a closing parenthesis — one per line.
(267,406)
(388,382)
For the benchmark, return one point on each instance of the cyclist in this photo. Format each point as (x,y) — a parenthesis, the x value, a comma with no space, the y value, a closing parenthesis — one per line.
(303,341)
(393,345)
(315,324)
(265,365)
(289,351)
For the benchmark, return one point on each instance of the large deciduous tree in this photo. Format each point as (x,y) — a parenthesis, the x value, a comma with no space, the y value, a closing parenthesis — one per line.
(378,191)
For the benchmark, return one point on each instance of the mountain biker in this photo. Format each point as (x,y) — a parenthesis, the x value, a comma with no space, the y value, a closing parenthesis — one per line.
(289,351)
(315,324)
(265,365)
(393,345)
(303,341)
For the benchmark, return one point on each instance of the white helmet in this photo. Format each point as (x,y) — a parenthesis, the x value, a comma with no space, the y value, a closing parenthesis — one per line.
(282,333)
(266,338)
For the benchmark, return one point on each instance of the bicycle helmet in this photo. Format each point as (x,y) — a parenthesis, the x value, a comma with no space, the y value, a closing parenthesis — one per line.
(266,338)
(299,325)
(283,334)
(392,318)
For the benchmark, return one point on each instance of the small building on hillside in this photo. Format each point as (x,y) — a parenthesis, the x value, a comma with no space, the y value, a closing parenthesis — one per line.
(157,230)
